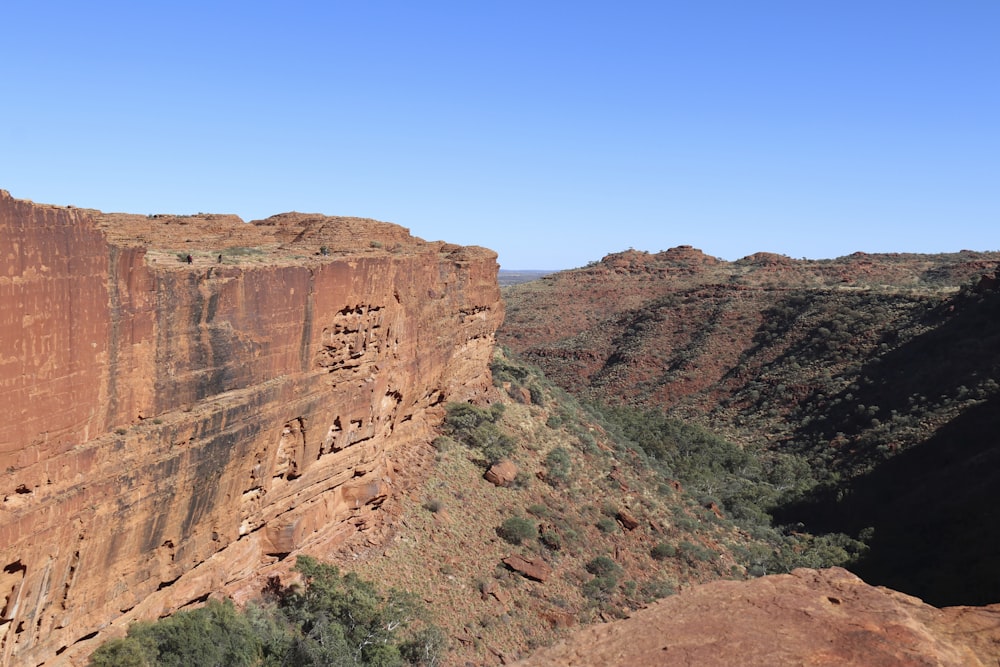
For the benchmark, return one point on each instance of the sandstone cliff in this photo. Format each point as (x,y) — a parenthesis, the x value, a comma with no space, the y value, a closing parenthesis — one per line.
(809,617)
(186,400)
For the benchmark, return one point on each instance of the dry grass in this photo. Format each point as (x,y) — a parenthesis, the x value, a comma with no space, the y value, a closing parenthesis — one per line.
(445,548)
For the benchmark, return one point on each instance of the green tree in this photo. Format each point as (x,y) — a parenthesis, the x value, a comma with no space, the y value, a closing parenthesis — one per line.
(216,634)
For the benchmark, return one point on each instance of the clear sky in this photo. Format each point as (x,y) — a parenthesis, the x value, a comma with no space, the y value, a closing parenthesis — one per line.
(552,132)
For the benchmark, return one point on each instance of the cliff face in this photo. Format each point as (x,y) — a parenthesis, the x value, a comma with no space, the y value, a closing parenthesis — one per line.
(172,426)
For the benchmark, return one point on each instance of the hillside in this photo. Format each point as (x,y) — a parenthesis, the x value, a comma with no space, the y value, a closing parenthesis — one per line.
(847,362)
(609,526)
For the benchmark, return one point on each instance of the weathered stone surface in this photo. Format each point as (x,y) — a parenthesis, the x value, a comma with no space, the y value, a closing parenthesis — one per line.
(494,589)
(533,568)
(627,521)
(502,473)
(809,617)
(170,429)
(558,618)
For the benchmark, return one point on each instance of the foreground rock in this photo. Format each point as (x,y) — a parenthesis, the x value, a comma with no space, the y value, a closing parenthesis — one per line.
(187,400)
(809,617)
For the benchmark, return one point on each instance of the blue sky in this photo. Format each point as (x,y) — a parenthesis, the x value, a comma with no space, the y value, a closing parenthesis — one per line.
(552,132)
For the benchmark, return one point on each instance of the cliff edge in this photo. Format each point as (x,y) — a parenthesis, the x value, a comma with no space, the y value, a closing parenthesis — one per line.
(808,617)
(186,400)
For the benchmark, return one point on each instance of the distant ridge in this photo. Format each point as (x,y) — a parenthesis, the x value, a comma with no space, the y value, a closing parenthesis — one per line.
(508,277)
(882,369)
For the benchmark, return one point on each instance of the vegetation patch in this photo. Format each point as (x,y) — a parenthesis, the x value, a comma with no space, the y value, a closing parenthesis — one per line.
(330,620)
(477,429)
(517,529)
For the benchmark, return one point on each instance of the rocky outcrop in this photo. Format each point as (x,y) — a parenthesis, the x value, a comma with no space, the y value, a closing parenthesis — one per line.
(532,567)
(809,617)
(187,400)
(502,473)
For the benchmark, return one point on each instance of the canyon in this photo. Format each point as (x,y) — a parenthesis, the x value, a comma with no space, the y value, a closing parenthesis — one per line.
(882,371)
(188,400)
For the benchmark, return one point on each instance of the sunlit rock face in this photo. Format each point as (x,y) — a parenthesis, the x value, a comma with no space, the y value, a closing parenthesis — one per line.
(185,400)
(808,617)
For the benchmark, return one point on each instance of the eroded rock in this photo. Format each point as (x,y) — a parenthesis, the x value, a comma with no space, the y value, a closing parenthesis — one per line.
(502,473)
(178,427)
(531,567)
(809,617)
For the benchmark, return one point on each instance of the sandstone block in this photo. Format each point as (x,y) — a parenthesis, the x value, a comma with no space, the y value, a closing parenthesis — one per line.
(502,473)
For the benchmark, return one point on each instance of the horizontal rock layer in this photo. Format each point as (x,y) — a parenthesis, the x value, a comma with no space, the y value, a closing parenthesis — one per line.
(185,400)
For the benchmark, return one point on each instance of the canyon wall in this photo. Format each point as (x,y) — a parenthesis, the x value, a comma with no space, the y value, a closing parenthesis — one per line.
(186,400)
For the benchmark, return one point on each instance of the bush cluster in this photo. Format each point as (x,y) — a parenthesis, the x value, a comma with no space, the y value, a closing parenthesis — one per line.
(517,529)
(477,429)
(557,467)
(663,551)
(330,620)
(748,483)
(606,574)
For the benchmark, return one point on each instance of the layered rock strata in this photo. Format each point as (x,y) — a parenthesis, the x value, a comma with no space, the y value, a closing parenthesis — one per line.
(185,400)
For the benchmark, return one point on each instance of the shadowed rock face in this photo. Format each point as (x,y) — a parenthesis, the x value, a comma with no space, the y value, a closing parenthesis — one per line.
(170,428)
(808,617)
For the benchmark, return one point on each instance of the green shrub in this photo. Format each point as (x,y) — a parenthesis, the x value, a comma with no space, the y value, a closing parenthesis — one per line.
(599,589)
(602,566)
(330,620)
(462,418)
(476,428)
(522,480)
(216,634)
(505,371)
(587,442)
(516,529)
(551,540)
(538,510)
(607,525)
(537,397)
(663,551)
(434,505)
(557,466)
(656,589)
(425,647)
(694,553)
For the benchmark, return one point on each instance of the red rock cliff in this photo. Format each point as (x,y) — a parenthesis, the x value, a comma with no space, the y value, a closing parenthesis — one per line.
(184,400)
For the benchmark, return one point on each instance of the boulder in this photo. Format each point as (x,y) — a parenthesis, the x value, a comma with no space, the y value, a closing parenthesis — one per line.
(502,473)
(531,567)
(627,521)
